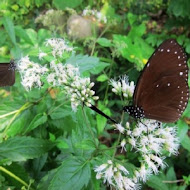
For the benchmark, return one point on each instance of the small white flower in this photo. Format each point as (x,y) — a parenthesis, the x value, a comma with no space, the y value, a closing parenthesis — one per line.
(119,180)
(59,46)
(109,175)
(132,142)
(122,168)
(143,173)
(120,128)
(101,168)
(41,55)
(158,160)
(123,143)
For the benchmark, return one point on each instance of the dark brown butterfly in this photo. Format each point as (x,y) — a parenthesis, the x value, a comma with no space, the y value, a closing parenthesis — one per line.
(7,74)
(162,90)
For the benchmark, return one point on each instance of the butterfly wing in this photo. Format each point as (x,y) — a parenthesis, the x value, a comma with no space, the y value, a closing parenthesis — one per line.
(7,75)
(162,90)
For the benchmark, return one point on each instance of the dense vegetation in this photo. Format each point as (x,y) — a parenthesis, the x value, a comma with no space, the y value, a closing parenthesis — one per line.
(50,138)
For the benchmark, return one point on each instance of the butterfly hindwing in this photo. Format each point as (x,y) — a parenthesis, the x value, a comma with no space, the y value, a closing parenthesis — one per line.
(162,90)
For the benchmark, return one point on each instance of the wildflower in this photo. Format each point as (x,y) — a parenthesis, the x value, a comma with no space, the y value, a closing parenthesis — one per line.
(116,86)
(59,46)
(115,175)
(120,128)
(123,87)
(30,73)
(143,173)
(41,55)
(123,143)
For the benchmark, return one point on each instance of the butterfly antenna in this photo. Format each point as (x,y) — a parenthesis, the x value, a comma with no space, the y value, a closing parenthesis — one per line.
(102,114)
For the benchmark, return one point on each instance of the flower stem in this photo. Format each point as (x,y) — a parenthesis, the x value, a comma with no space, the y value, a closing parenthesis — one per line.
(119,138)
(17,112)
(89,128)
(95,41)
(14,176)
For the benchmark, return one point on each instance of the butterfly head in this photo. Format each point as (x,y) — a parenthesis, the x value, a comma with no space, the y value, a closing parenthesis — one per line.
(134,111)
(12,65)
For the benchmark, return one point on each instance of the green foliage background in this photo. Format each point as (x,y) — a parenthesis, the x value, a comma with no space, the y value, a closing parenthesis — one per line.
(43,142)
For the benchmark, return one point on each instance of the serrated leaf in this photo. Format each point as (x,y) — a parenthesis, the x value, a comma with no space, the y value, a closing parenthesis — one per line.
(45,182)
(59,113)
(86,144)
(9,27)
(23,148)
(39,119)
(104,42)
(74,173)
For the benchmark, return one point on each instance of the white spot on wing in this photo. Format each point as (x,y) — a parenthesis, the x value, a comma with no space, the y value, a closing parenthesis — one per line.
(181,73)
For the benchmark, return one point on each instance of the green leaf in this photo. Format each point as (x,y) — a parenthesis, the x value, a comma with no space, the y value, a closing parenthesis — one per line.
(156,183)
(66,4)
(59,112)
(132,18)
(3,37)
(45,181)
(32,35)
(101,121)
(86,144)
(21,33)
(9,27)
(104,42)
(170,175)
(23,148)
(102,78)
(74,173)
(136,50)
(182,129)
(39,119)
(87,64)
(18,126)
(186,142)
(188,47)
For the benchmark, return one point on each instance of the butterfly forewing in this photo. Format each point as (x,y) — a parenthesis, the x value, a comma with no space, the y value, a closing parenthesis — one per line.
(7,74)
(162,90)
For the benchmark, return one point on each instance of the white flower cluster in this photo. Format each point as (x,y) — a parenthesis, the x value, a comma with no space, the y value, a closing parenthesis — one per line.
(59,46)
(98,15)
(116,176)
(30,73)
(58,75)
(79,89)
(151,140)
(123,87)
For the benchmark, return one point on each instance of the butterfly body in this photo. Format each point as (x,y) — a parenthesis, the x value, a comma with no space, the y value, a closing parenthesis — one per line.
(7,74)
(162,91)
